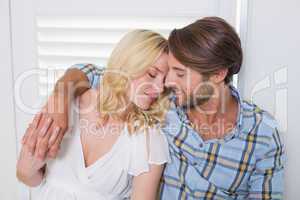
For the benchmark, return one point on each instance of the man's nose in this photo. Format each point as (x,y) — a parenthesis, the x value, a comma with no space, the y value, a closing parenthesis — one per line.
(169,82)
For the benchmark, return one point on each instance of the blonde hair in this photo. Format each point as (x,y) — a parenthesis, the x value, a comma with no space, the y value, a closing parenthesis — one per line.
(132,56)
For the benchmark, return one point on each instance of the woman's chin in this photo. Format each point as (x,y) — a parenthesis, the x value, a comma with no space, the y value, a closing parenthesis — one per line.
(144,106)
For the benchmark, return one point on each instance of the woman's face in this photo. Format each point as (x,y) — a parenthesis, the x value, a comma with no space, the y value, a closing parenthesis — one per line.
(145,89)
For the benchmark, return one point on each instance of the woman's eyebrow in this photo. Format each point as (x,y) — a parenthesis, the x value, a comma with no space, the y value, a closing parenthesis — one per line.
(155,67)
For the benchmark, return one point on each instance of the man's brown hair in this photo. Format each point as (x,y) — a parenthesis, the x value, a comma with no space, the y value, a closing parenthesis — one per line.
(207,45)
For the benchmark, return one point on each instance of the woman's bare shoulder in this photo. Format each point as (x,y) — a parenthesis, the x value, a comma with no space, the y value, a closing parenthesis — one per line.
(88,98)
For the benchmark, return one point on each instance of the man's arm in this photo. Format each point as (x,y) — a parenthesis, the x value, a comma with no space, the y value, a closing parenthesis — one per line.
(73,83)
(267,180)
(92,73)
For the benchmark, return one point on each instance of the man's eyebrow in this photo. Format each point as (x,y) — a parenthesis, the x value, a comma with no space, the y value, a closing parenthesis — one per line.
(178,69)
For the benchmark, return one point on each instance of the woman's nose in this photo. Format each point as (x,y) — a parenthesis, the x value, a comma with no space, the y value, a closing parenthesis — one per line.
(158,87)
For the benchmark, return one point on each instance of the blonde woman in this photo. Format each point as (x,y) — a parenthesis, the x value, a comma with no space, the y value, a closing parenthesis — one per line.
(115,149)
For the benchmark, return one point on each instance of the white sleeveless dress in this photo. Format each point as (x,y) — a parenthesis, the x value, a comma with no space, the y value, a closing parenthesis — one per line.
(110,177)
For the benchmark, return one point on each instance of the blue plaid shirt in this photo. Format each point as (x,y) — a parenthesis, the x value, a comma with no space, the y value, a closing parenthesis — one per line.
(247,163)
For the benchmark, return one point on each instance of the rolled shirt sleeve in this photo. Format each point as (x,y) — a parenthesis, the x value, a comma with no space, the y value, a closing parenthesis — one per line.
(93,72)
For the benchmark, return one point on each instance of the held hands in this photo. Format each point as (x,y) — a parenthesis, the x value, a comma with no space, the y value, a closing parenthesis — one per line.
(43,137)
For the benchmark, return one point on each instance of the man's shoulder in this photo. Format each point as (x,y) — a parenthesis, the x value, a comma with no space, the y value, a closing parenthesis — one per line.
(258,120)
(264,129)
(92,71)
(89,68)
(172,122)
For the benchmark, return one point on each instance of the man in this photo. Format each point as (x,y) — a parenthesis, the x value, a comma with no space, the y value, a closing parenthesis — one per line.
(221,146)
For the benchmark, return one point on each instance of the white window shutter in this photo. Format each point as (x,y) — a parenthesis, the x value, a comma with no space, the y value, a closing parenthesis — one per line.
(66,40)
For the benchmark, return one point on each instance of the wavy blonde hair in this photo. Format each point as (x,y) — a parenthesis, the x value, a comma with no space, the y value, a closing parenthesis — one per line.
(132,56)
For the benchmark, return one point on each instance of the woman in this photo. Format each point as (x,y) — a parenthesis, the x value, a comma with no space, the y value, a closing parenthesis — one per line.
(115,149)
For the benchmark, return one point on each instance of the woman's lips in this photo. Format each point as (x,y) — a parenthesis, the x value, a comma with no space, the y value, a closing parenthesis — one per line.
(152,97)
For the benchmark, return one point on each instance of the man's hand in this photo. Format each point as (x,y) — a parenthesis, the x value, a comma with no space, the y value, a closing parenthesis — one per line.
(45,138)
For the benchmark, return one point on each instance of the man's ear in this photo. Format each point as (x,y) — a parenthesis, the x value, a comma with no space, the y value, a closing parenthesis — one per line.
(219,76)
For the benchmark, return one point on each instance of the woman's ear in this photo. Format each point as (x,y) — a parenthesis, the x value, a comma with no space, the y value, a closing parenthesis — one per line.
(219,76)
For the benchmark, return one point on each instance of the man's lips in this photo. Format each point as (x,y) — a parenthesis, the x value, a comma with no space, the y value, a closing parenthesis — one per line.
(176,91)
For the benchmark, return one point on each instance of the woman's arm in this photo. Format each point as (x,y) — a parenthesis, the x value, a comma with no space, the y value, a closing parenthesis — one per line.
(30,167)
(145,186)
(30,170)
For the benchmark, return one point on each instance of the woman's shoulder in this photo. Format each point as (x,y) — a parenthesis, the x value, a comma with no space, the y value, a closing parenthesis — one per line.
(147,147)
(88,99)
(90,94)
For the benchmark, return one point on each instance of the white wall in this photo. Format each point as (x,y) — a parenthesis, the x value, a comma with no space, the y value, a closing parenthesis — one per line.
(271,71)
(8,182)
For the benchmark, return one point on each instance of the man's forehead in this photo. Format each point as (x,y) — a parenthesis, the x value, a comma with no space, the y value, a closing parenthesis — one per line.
(174,63)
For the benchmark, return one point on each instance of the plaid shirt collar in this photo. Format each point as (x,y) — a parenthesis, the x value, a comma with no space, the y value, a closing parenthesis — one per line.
(182,113)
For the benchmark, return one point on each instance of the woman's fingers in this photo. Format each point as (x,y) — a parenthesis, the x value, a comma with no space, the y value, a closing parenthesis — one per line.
(32,140)
(31,143)
(43,144)
(24,138)
(45,127)
(54,135)
(27,134)
(31,127)
(37,119)
(53,151)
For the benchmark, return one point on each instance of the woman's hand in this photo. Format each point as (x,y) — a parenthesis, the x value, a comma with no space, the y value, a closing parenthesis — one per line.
(30,168)
(71,85)
(45,138)
(29,164)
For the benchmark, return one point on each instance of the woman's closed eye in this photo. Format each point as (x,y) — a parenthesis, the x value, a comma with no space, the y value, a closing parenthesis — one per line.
(152,74)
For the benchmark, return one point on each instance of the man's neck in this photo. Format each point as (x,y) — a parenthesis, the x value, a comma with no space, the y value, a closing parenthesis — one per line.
(220,111)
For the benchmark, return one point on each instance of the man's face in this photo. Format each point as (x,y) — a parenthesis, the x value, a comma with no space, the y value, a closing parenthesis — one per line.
(190,87)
